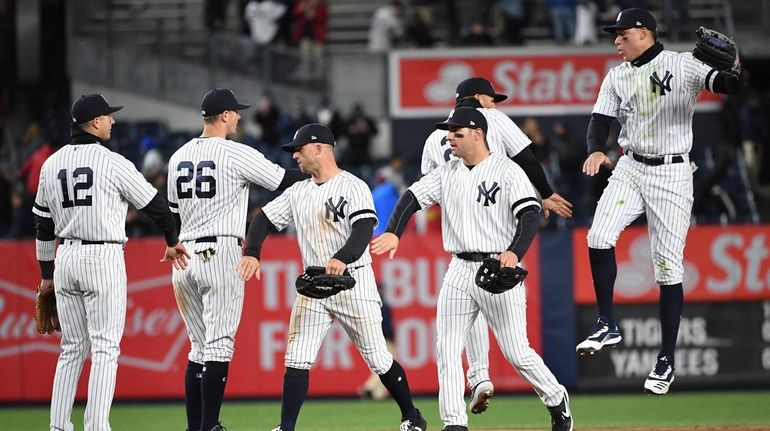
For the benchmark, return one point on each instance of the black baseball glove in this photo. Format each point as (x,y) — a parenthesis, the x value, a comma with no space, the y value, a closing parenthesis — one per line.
(494,279)
(315,283)
(716,50)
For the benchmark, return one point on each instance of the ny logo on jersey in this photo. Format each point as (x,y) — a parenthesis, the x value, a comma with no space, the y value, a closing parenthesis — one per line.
(487,193)
(661,84)
(337,210)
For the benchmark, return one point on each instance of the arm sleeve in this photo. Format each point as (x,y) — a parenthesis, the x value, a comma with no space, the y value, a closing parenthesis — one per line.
(727,83)
(526,229)
(258,230)
(45,234)
(159,211)
(534,170)
(405,207)
(357,242)
(598,132)
(290,177)
(45,246)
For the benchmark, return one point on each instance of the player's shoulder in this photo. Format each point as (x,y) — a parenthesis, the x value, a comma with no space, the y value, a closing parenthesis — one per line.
(346,177)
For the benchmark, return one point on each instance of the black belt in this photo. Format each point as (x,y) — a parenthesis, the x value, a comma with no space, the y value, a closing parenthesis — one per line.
(475,257)
(87,242)
(213,239)
(653,161)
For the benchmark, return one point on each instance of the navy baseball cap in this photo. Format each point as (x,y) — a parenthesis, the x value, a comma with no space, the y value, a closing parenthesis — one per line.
(464,117)
(219,100)
(89,106)
(310,133)
(477,85)
(632,18)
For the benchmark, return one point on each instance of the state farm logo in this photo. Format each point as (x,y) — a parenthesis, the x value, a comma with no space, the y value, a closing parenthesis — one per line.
(538,81)
(636,276)
(152,340)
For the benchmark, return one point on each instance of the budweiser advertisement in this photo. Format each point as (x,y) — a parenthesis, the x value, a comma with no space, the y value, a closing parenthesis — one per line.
(155,345)
(721,264)
(537,81)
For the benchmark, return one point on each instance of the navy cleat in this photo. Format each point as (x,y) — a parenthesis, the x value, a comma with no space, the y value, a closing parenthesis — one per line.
(660,378)
(603,333)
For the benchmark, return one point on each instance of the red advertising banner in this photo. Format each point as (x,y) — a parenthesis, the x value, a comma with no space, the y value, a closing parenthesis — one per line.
(155,345)
(720,264)
(537,81)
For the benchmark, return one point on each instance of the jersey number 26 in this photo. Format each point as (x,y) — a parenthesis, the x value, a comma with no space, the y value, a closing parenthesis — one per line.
(184,189)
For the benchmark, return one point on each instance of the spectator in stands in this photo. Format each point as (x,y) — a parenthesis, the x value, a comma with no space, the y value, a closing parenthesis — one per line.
(268,118)
(360,129)
(310,20)
(330,117)
(214,14)
(425,9)
(541,147)
(295,118)
(562,19)
(387,27)
(6,212)
(585,23)
(418,34)
(388,186)
(477,35)
(263,17)
(571,180)
(514,15)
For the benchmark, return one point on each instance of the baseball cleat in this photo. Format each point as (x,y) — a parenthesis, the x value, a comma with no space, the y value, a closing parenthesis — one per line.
(415,424)
(561,417)
(482,394)
(604,333)
(660,378)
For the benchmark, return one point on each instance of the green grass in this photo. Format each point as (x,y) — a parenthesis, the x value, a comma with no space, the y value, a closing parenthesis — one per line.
(687,410)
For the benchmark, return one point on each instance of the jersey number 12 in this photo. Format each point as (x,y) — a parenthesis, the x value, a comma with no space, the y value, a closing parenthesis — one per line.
(86,184)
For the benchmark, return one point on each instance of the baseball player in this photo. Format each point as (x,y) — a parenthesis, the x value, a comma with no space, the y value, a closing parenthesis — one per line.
(504,138)
(334,216)
(652,94)
(489,191)
(208,187)
(82,198)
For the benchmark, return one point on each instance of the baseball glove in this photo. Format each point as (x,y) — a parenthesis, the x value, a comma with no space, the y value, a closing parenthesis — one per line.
(716,50)
(315,283)
(494,279)
(46,316)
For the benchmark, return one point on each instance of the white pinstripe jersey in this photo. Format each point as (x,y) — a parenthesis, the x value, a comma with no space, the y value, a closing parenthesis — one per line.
(654,103)
(323,215)
(86,188)
(208,185)
(503,137)
(478,205)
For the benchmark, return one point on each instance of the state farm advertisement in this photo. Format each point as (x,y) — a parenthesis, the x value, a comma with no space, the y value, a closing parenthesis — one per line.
(721,264)
(542,81)
(155,345)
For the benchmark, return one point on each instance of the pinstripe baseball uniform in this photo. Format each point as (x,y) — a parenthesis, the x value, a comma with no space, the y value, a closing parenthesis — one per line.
(652,95)
(85,188)
(488,196)
(504,138)
(323,216)
(208,186)
(654,104)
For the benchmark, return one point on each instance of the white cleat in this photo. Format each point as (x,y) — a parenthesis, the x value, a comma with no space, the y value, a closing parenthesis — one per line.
(482,394)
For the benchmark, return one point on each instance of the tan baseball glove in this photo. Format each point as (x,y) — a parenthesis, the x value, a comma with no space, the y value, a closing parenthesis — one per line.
(46,316)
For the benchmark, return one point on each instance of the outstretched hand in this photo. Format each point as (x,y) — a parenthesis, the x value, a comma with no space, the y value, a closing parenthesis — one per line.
(558,205)
(177,255)
(384,243)
(596,160)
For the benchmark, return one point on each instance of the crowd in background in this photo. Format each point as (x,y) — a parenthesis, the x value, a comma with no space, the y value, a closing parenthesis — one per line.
(729,184)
